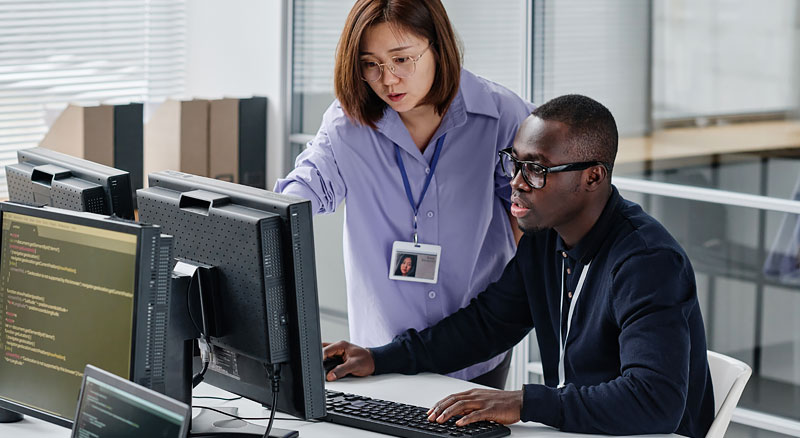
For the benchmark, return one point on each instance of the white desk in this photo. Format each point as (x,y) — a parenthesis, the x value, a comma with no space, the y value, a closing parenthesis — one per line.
(421,390)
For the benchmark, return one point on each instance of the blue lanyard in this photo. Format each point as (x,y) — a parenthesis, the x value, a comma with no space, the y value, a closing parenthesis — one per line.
(415,206)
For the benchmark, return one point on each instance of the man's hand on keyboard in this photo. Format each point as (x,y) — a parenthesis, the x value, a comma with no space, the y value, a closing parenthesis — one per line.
(357,360)
(479,404)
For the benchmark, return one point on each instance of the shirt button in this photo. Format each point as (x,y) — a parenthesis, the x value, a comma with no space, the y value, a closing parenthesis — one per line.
(569,295)
(430,214)
(427,170)
(569,271)
(564,254)
(432,294)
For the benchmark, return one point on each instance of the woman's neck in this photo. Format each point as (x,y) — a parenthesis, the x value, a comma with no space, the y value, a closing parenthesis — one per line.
(421,122)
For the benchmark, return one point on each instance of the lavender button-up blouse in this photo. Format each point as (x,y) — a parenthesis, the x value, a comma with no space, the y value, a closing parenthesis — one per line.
(464,209)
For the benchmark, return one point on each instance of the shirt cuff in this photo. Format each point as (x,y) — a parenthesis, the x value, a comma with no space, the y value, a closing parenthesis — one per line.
(297,189)
(541,404)
(389,358)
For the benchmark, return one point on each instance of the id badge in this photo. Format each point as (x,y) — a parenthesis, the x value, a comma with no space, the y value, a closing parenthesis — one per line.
(415,262)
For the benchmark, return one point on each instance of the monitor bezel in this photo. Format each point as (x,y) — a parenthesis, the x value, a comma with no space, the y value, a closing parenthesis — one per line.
(108,223)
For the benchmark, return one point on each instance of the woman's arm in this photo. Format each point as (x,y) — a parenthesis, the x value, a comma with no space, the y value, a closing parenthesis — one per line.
(316,176)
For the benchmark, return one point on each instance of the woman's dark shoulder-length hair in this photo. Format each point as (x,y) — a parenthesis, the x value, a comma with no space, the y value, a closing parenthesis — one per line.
(424,18)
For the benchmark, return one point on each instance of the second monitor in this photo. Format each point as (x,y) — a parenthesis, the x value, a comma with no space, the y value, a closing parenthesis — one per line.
(45,177)
(256,304)
(77,288)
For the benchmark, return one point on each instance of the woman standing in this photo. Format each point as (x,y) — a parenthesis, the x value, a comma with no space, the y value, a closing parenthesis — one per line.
(412,143)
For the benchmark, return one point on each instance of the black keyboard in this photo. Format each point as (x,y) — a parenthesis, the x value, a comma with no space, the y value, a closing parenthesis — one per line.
(401,420)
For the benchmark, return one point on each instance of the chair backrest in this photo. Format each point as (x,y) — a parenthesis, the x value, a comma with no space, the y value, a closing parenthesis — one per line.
(729,377)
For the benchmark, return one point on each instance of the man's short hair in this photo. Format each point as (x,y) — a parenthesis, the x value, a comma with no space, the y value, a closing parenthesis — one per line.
(592,129)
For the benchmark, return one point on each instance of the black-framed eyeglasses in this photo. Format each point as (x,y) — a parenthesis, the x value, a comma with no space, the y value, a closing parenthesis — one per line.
(534,174)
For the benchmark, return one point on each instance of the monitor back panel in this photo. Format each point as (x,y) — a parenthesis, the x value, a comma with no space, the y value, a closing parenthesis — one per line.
(116,184)
(245,245)
(304,376)
(69,192)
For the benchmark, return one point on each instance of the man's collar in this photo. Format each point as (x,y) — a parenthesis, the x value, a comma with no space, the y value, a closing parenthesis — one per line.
(590,244)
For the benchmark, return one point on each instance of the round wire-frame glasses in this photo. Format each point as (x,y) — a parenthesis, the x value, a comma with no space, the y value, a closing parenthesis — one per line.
(400,66)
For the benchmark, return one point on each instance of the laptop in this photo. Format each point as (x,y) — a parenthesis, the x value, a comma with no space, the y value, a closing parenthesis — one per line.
(110,406)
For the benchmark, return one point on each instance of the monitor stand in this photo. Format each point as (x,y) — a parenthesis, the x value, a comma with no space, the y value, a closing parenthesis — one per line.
(7,416)
(213,424)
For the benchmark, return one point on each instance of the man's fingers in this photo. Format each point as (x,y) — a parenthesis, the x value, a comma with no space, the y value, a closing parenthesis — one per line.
(443,404)
(472,394)
(448,401)
(335,349)
(325,344)
(349,367)
(337,372)
(460,407)
(473,417)
(479,405)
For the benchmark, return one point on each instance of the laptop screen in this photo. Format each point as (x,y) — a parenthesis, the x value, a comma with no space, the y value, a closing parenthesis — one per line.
(112,409)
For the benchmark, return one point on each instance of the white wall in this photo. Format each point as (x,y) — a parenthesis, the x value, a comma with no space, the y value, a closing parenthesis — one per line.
(235,48)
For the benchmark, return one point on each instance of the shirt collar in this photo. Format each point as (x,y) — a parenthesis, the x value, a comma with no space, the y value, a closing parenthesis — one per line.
(472,97)
(590,244)
(477,98)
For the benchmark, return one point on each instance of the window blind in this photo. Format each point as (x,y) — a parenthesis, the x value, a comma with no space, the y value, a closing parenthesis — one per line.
(732,57)
(493,35)
(598,49)
(57,52)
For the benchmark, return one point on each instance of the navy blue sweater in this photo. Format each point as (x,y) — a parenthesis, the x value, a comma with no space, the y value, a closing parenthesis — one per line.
(635,357)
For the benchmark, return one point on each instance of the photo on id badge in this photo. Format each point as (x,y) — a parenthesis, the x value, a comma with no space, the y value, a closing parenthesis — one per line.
(416,262)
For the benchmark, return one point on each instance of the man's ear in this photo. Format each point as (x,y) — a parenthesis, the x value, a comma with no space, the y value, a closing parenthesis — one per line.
(594,177)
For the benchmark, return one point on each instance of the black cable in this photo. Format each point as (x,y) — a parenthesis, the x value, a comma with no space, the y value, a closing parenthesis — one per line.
(197,378)
(251,418)
(274,374)
(272,414)
(189,307)
(217,398)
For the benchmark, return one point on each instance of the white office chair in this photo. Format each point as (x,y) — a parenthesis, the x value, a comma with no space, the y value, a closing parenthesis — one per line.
(729,377)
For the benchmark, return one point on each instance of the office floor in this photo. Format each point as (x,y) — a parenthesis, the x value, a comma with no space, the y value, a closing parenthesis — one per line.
(769,395)
(742,431)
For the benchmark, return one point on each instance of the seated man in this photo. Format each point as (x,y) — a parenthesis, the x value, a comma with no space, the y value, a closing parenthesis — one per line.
(610,294)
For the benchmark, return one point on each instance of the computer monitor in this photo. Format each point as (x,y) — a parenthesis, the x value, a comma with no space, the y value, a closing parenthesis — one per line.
(77,288)
(265,305)
(45,177)
(112,407)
